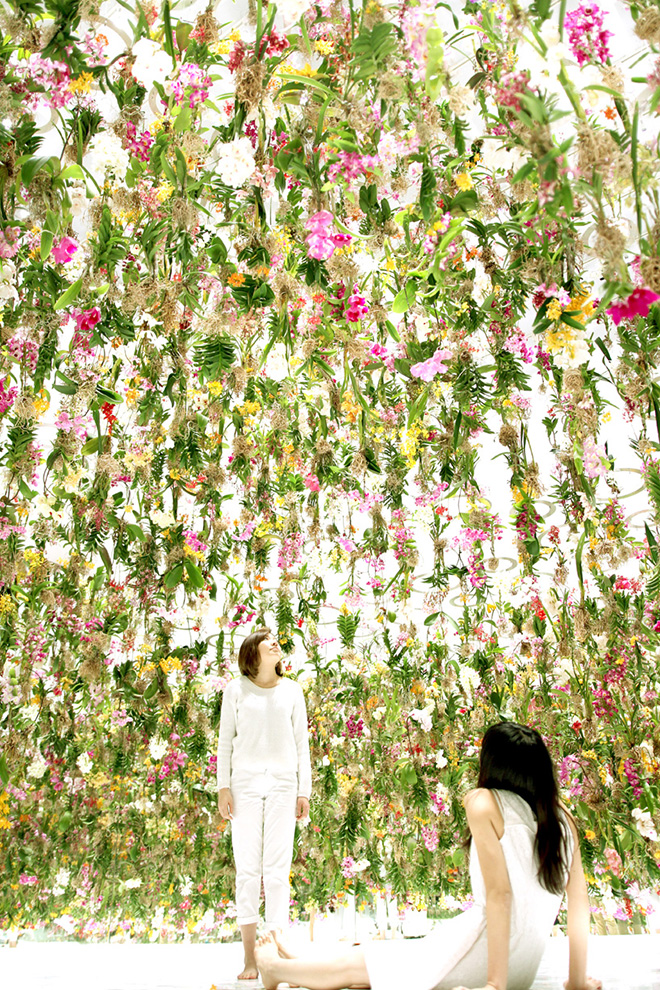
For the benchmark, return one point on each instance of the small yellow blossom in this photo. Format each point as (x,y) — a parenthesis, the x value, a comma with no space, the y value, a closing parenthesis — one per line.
(464,181)
(82,84)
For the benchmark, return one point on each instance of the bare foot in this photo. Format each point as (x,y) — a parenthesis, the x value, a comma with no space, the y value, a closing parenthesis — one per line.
(283,949)
(250,972)
(267,962)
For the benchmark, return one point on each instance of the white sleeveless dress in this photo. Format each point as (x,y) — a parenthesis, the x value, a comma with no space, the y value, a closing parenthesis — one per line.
(456,951)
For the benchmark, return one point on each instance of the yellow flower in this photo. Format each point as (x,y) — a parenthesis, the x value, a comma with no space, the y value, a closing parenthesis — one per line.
(464,181)
(324,46)
(554,310)
(82,84)
(164,191)
(307,71)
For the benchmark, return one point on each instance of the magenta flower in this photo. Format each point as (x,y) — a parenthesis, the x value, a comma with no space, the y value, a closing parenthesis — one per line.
(427,370)
(88,319)
(587,38)
(357,307)
(64,251)
(638,303)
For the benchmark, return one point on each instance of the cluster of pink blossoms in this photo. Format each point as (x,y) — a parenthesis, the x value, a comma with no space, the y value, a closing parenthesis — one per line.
(7,395)
(25,351)
(192,84)
(427,370)
(351,165)
(290,551)
(139,145)
(322,239)
(587,38)
(594,459)
(9,242)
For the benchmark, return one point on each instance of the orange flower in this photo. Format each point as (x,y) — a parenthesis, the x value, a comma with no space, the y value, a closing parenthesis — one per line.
(236,279)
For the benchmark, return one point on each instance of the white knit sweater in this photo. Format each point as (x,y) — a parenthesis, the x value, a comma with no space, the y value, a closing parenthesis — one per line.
(264,729)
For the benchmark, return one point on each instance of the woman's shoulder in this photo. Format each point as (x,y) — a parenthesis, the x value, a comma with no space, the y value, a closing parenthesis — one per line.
(479,799)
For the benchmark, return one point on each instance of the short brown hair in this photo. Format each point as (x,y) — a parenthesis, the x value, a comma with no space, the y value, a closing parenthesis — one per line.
(248,655)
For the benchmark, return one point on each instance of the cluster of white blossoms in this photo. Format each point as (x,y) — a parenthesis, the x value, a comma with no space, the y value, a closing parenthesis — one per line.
(108,155)
(235,162)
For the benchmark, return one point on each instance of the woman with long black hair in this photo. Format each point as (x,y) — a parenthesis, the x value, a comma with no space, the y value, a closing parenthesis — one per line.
(527,855)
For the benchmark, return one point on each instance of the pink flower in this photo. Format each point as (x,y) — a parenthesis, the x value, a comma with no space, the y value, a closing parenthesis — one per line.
(64,251)
(427,370)
(9,242)
(312,482)
(322,240)
(638,303)
(346,545)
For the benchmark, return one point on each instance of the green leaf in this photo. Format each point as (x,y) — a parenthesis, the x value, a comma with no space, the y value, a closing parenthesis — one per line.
(430,619)
(90,447)
(30,169)
(194,573)
(65,821)
(173,577)
(182,35)
(72,172)
(46,243)
(571,321)
(435,74)
(4,771)
(108,395)
(404,299)
(523,172)
(68,296)
(136,532)
(427,193)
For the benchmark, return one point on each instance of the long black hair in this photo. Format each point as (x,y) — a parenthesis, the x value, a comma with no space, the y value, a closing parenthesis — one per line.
(515,758)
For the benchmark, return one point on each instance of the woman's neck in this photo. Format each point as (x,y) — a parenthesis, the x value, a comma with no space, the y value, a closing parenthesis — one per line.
(266,680)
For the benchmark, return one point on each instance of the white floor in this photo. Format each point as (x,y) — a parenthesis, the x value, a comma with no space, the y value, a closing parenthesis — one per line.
(623,962)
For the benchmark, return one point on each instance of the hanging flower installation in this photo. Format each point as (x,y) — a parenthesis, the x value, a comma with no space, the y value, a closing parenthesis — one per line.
(283,302)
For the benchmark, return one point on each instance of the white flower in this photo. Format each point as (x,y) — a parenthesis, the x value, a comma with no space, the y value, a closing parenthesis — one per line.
(469,680)
(440,759)
(277,366)
(107,155)
(645,825)
(78,197)
(7,273)
(424,716)
(37,768)
(151,64)
(132,883)
(61,882)
(162,519)
(186,887)
(84,764)
(235,161)
(158,748)
(292,10)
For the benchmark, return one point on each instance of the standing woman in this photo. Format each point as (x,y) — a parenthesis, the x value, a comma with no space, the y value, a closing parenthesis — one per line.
(264,782)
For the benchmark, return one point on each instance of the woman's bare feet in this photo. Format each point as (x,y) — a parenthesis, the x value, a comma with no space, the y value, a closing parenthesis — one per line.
(268,960)
(250,971)
(283,949)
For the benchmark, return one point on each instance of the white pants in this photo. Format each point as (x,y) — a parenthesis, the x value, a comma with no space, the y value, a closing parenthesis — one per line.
(262,831)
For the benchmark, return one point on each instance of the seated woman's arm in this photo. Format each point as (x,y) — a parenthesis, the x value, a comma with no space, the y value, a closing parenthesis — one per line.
(578,915)
(486,826)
